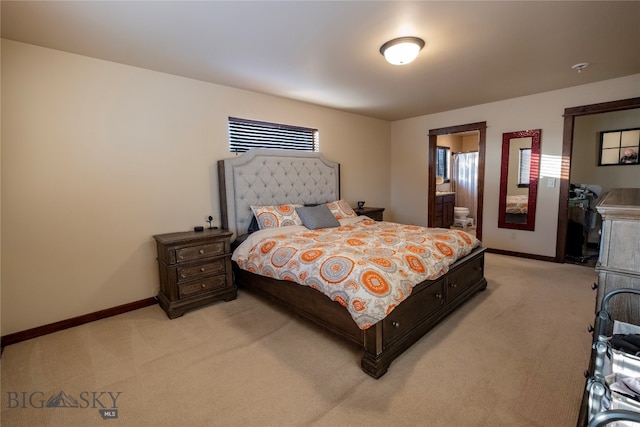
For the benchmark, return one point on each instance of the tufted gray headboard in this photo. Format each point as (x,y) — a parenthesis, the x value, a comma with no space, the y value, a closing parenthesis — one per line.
(262,177)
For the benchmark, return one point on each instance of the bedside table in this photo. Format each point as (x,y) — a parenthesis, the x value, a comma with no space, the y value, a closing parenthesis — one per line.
(373,213)
(195,269)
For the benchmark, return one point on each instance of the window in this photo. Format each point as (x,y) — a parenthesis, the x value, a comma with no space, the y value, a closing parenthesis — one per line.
(619,147)
(443,162)
(247,134)
(524,167)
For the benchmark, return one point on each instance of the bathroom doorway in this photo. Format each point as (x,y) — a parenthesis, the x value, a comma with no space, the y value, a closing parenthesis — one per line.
(478,129)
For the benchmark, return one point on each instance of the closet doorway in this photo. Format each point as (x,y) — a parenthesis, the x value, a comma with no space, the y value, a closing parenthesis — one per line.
(481,128)
(565,170)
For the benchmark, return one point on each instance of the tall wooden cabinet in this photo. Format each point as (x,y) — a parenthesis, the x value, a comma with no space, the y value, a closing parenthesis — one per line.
(619,261)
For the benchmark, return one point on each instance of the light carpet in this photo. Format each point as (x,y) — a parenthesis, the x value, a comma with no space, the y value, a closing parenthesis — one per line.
(514,355)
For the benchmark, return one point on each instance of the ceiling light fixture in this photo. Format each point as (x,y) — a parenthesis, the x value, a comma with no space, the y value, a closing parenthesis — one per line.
(581,66)
(402,50)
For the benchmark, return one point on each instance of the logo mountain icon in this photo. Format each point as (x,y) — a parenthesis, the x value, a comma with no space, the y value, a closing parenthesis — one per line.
(62,400)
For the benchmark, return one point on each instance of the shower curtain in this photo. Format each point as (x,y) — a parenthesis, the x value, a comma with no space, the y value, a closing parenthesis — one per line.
(465,181)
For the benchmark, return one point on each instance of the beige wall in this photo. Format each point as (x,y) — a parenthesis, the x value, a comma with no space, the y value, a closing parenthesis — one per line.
(586,143)
(97,157)
(409,157)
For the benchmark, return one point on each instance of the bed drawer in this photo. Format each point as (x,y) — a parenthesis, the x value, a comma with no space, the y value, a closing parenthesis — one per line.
(206,285)
(193,253)
(427,300)
(205,269)
(461,279)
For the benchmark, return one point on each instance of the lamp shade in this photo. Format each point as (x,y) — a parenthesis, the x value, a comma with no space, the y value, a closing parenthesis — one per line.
(402,50)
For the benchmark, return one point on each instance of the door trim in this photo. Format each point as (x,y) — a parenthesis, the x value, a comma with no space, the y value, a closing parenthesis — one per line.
(481,127)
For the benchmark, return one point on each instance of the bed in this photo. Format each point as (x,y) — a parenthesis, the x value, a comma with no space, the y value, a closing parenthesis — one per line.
(278,177)
(517,209)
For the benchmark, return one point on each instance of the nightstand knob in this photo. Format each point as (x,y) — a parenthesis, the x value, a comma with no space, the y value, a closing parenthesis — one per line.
(201,251)
(453,285)
(395,324)
(201,269)
(204,285)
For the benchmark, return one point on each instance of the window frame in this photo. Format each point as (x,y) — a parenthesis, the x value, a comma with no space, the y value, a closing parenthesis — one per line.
(626,139)
(446,165)
(524,174)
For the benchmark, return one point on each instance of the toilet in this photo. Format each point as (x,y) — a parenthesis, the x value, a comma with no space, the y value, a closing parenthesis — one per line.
(460,219)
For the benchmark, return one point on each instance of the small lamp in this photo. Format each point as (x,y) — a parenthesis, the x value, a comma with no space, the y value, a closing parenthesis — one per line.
(402,50)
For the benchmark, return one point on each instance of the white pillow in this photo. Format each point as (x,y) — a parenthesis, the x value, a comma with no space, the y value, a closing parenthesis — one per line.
(341,209)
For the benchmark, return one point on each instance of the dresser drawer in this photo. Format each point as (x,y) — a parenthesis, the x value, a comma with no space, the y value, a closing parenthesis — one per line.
(193,253)
(463,278)
(427,300)
(202,286)
(205,269)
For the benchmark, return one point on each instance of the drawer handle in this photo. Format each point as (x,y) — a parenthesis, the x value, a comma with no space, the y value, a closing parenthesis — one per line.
(201,269)
(590,328)
(453,285)
(438,296)
(201,251)
(478,268)
(594,286)
(204,285)
(395,324)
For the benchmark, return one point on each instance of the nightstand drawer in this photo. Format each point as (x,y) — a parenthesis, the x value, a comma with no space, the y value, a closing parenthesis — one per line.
(193,253)
(205,285)
(206,269)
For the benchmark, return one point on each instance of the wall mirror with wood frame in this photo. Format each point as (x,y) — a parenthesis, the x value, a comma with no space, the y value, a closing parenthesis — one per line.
(519,173)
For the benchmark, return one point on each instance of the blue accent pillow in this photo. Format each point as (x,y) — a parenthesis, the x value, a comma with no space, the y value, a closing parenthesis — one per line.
(314,217)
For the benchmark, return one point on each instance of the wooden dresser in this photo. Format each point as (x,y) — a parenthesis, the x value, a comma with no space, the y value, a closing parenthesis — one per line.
(195,269)
(618,267)
(619,260)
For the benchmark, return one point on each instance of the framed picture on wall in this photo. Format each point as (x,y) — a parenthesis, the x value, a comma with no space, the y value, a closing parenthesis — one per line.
(619,147)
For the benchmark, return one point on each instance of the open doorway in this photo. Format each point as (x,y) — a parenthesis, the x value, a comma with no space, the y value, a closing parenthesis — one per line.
(481,128)
(570,115)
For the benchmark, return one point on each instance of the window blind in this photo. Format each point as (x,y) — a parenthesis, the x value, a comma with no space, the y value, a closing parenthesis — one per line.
(524,166)
(247,134)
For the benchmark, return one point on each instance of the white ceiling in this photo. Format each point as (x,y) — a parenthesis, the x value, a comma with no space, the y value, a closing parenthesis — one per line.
(327,52)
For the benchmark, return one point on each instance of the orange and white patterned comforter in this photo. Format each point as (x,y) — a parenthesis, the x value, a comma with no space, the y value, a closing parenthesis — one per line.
(367,266)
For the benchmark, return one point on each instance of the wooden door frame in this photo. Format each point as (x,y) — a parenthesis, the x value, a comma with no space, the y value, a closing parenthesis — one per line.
(481,127)
(565,168)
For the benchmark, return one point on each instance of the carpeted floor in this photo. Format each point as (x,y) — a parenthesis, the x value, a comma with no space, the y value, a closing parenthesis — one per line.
(512,356)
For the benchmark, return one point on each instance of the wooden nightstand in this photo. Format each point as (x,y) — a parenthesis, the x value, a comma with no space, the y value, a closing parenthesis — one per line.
(195,269)
(373,213)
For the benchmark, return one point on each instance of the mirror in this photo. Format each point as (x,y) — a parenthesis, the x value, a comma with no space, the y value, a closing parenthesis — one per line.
(519,172)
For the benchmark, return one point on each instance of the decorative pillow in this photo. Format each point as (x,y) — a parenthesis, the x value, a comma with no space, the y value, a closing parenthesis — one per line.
(341,209)
(320,216)
(276,216)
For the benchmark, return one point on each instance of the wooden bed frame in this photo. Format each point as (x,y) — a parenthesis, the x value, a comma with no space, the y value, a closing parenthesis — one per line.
(429,303)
